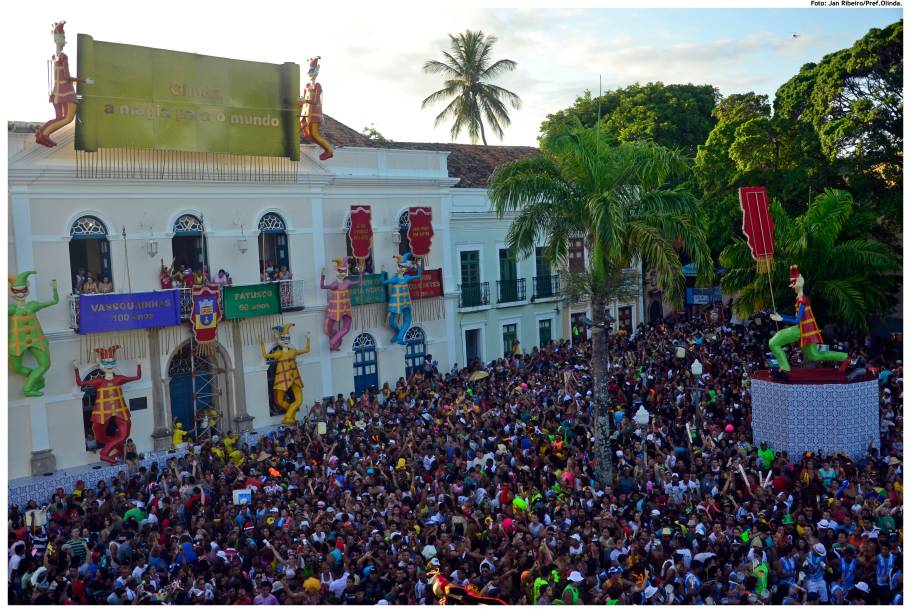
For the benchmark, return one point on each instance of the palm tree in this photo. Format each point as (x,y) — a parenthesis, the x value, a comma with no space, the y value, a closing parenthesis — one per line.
(474,99)
(627,204)
(847,280)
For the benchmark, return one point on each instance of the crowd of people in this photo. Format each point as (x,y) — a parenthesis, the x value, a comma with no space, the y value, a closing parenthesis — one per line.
(91,283)
(490,481)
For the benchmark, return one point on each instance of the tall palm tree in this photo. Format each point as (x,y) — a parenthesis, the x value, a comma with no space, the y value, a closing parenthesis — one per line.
(848,280)
(474,99)
(627,203)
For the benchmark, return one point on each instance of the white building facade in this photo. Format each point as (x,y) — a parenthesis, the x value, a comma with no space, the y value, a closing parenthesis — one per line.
(66,212)
(502,298)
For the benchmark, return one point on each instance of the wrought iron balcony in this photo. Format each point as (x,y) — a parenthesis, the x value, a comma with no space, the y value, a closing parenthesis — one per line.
(510,290)
(291,294)
(474,295)
(546,287)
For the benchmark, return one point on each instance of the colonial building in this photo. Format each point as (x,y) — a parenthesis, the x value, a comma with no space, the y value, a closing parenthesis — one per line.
(122,215)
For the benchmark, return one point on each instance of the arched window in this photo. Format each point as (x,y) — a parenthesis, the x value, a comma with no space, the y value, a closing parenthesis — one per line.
(404,243)
(352,263)
(274,260)
(90,256)
(188,245)
(365,372)
(415,350)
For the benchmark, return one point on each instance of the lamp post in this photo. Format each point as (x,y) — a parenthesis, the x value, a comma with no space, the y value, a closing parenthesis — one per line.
(642,417)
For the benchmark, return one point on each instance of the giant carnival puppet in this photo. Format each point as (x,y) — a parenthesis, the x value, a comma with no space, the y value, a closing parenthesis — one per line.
(759,229)
(338,312)
(25,334)
(312,115)
(399,301)
(287,376)
(453,594)
(109,404)
(803,329)
(63,94)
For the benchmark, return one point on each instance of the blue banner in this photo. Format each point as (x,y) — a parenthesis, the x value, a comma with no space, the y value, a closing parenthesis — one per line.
(112,312)
(703,295)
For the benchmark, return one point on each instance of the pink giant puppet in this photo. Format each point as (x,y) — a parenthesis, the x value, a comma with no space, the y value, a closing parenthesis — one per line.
(338,312)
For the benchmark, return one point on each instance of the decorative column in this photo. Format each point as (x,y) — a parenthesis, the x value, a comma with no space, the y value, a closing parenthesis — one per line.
(43,460)
(161,434)
(319,261)
(243,422)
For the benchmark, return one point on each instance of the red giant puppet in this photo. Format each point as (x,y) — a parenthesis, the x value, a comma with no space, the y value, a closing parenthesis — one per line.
(312,115)
(109,404)
(63,94)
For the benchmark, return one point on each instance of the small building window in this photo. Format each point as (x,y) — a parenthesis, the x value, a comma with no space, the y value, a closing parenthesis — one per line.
(90,257)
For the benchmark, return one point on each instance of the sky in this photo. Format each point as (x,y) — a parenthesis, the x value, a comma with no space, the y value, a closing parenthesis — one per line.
(372,55)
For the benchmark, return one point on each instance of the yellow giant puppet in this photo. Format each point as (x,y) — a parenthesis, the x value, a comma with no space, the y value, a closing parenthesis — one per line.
(287,376)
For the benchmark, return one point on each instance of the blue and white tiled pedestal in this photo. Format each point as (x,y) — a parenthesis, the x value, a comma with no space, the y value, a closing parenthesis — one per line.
(816,413)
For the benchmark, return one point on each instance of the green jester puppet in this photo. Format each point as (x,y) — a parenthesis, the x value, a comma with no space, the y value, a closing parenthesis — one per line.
(25,333)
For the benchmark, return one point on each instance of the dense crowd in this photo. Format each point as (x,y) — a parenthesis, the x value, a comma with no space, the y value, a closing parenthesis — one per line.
(491,482)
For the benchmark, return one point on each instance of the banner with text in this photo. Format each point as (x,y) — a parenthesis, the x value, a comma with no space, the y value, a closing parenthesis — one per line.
(144,98)
(420,230)
(251,300)
(112,312)
(370,291)
(430,285)
(703,295)
(360,233)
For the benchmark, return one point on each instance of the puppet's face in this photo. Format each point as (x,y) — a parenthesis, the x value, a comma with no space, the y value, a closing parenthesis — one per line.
(341,271)
(284,340)
(797,284)
(59,40)
(403,268)
(19,294)
(313,72)
(107,365)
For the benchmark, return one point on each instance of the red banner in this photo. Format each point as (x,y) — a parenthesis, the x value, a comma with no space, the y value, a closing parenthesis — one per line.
(758,225)
(361,232)
(206,313)
(430,285)
(420,230)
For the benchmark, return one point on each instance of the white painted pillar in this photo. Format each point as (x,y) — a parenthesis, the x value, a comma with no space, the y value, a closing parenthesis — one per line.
(448,279)
(319,262)
(42,458)
(22,231)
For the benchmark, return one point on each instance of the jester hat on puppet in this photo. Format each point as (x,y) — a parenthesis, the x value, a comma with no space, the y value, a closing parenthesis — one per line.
(107,357)
(313,70)
(341,266)
(18,284)
(404,262)
(283,332)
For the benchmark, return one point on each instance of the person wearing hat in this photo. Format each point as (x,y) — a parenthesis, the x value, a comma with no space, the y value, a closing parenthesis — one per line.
(814,567)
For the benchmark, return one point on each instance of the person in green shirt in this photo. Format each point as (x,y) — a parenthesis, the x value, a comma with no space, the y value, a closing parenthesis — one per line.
(827,474)
(767,454)
(136,513)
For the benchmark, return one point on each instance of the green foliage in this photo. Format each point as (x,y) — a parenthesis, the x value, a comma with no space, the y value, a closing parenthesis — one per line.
(678,116)
(626,201)
(849,280)
(373,134)
(473,99)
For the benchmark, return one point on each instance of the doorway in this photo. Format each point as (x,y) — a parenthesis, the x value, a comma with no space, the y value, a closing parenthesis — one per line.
(206,377)
(365,371)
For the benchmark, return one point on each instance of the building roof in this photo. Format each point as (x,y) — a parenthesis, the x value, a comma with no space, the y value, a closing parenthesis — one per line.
(472,164)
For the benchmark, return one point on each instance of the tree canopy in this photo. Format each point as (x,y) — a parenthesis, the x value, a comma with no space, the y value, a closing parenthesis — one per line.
(678,116)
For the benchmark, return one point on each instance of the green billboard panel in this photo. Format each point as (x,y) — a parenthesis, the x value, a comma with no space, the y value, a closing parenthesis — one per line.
(144,98)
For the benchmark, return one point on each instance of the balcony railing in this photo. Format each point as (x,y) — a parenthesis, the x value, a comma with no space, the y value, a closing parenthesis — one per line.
(546,287)
(510,290)
(290,292)
(474,294)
